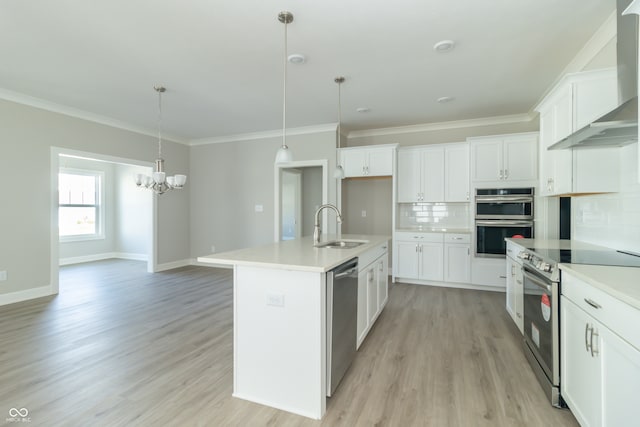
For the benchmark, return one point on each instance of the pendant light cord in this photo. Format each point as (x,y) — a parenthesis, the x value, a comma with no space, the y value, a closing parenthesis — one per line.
(159,123)
(339,122)
(284,91)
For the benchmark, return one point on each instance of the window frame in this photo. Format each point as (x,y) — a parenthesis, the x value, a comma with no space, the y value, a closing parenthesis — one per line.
(99,206)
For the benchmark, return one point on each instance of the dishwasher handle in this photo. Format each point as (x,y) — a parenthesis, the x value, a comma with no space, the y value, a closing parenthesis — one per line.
(345,274)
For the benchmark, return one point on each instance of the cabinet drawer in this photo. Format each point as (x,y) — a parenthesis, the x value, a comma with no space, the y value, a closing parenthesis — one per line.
(420,237)
(371,255)
(613,313)
(457,238)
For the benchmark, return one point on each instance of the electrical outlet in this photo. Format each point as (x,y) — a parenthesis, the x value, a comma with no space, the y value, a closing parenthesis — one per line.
(213,248)
(259,208)
(275,300)
(3,275)
(364,214)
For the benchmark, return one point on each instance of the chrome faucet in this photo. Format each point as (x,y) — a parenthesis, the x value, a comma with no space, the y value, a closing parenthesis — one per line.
(316,227)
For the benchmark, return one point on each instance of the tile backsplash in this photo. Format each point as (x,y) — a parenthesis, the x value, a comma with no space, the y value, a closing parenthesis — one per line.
(436,215)
(612,220)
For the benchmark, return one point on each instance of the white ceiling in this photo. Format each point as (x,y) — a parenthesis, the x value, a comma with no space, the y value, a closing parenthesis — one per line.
(221,61)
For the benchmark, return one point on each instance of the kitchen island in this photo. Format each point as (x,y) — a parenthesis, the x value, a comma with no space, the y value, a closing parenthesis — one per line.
(279,310)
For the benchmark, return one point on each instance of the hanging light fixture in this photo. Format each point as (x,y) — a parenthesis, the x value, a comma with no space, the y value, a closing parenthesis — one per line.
(339,172)
(159,183)
(284,154)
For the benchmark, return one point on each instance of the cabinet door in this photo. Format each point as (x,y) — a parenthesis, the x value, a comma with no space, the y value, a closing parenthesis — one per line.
(620,379)
(372,294)
(379,162)
(363,317)
(563,159)
(518,289)
(407,255)
(511,285)
(580,380)
(432,261)
(563,113)
(383,280)
(433,174)
(594,97)
(456,166)
(409,189)
(486,161)
(521,158)
(457,263)
(353,162)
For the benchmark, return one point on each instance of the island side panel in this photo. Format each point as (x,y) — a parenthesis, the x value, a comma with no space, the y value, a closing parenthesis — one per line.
(280,339)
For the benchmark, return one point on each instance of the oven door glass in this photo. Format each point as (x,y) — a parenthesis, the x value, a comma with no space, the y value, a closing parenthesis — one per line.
(518,208)
(490,236)
(538,319)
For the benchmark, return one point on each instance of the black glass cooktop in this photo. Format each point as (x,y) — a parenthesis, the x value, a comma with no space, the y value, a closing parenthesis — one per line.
(594,257)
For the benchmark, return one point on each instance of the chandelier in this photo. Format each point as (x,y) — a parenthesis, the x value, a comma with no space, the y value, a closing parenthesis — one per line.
(159,182)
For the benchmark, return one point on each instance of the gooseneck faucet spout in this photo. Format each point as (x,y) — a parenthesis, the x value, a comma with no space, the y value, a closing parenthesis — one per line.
(316,227)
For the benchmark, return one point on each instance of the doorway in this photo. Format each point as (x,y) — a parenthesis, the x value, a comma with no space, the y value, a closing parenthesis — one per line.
(125,215)
(300,188)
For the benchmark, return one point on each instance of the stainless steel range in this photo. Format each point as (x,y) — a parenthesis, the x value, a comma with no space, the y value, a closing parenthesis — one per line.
(542,286)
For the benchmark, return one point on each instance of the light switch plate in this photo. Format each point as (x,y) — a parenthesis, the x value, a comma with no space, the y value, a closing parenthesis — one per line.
(259,208)
(275,300)
(3,275)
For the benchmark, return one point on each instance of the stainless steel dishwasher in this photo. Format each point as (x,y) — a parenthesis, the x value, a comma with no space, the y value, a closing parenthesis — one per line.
(342,317)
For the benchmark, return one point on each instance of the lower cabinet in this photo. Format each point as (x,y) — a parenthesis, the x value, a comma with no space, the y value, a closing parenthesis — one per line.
(515,292)
(436,257)
(373,290)
(600,365)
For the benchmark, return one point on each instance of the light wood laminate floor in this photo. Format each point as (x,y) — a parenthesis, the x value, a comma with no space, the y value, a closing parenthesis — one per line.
(121,347)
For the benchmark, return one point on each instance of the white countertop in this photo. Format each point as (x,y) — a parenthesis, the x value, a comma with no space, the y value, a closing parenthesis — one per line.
(434,230)
(622,283)
(554,244)
(298,254)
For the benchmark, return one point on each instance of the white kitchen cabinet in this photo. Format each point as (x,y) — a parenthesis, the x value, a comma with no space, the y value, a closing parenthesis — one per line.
(372,289)
(456,167)
(489,272)
(600,358)
(576,101)
(432,257)
(515,292)
(367,161)
(457,258)
(438,173)
(504,160)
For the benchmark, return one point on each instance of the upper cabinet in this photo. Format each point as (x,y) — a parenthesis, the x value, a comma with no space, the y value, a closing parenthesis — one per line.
(438,173)
(575,102)
(368,161)
(504,160)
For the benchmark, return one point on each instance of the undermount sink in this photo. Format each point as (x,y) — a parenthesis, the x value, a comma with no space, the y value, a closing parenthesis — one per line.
(341,244)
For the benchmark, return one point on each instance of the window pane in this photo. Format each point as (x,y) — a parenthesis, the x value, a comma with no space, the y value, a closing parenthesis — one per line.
(77,189)
(74,221)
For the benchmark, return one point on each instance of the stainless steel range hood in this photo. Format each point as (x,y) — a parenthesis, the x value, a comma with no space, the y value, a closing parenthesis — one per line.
(620,126)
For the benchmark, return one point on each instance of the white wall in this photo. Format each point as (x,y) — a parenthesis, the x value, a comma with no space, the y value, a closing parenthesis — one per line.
(229,179)
(133,212)
(27,135)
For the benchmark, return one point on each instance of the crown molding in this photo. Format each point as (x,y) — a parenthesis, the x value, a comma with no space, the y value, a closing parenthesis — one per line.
(454,124)
(329,127)
(20,98)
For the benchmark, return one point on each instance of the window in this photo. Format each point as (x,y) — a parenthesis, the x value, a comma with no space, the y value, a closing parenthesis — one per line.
(79,207)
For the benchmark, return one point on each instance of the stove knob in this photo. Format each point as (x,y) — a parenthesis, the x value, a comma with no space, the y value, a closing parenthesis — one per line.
(544,266)
(524,255)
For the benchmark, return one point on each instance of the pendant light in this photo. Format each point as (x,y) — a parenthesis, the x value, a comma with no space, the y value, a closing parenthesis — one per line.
(339,172)
(284,154)
(159,183)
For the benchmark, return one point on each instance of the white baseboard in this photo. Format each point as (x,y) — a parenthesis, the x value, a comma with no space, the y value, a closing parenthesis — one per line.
(173,264)
(27,294)
(207,264)
(452,285)
(100,257)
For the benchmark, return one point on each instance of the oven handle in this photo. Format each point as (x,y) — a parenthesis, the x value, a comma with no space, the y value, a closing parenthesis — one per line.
(536,281)
(482,199)
(502,223)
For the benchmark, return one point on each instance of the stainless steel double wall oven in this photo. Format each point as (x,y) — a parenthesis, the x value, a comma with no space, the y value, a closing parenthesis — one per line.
(500,213)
